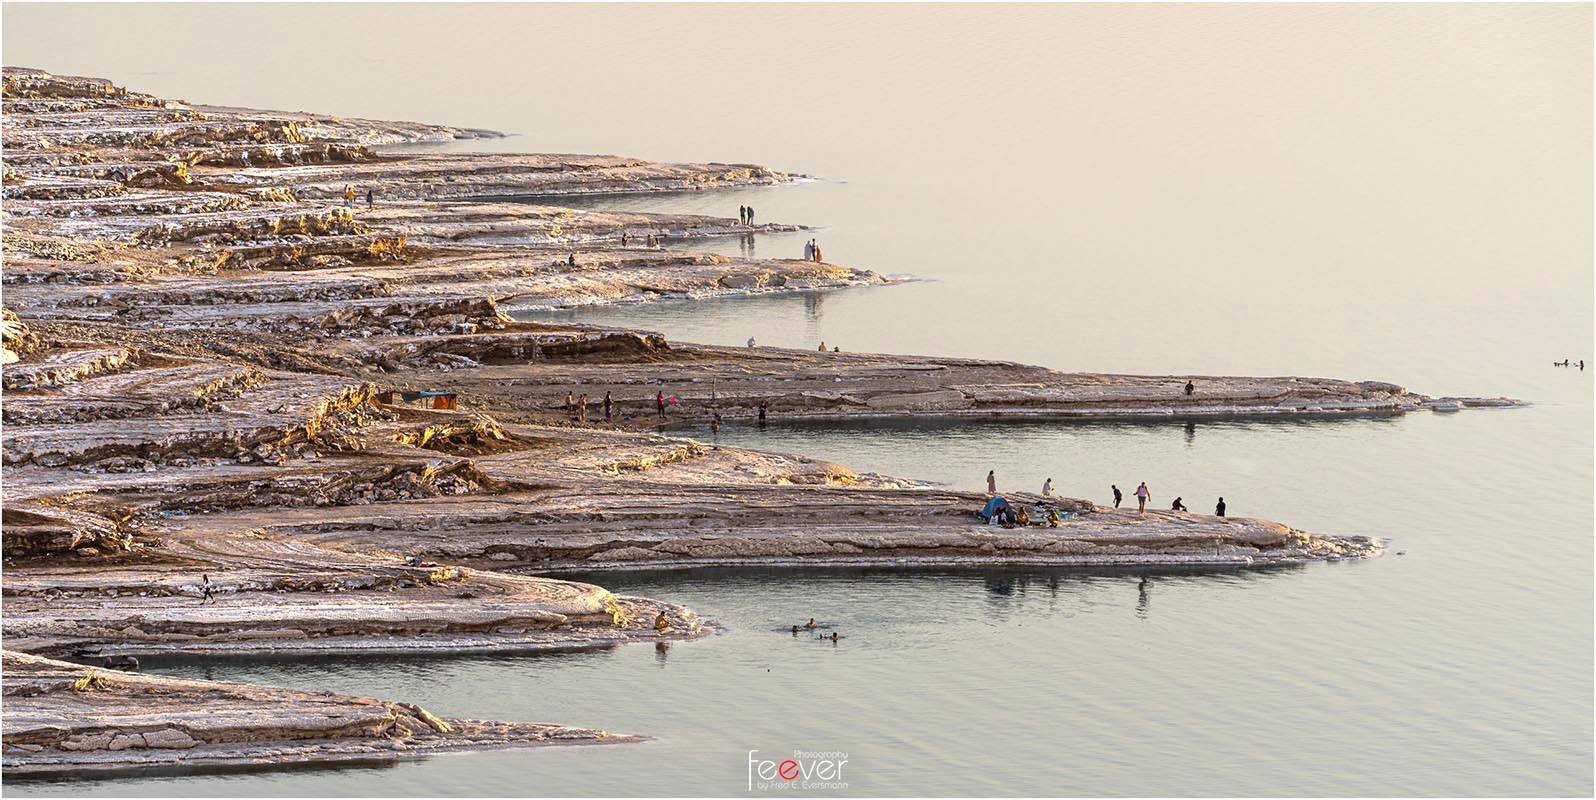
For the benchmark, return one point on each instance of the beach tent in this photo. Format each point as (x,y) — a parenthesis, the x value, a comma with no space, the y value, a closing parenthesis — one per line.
(993,506)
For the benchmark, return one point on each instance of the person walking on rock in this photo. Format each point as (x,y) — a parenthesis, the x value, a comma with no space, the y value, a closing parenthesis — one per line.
(1142,496)
(1219,510)
(1117,496)
(349,195)
(1047,488)
(609,407)
(991,481)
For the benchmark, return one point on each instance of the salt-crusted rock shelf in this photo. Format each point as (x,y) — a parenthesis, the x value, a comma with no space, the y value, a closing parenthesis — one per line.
(203,455)
(64,720)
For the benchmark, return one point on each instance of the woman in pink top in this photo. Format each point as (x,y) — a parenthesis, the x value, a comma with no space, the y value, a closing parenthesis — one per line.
(1142,496)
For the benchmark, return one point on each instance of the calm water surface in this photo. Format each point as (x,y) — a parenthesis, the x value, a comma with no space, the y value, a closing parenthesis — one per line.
(1367,192)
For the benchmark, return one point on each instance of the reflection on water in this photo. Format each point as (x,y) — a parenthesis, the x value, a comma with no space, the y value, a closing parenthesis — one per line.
(1035,680)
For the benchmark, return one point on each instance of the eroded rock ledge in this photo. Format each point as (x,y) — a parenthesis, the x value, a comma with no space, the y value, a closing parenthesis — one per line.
(65,719)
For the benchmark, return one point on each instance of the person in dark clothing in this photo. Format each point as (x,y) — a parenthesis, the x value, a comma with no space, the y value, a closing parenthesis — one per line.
(1178,506)
(714,424)
(762,407)
(570,260)
(659,401)
(742,215)
(609,407)
(1117,496)
(750,215)
(207,594)
(1219,510)
(1190,388)
(369,197)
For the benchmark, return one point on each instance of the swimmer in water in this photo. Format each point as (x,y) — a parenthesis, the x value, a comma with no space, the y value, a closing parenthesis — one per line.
(795,630)
(812,625)
(833,636)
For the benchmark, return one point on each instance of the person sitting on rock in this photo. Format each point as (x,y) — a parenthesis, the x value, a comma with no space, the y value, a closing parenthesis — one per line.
(1021,517)
(662,624)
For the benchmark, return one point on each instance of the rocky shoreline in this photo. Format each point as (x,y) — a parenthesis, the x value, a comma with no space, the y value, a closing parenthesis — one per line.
(222,432)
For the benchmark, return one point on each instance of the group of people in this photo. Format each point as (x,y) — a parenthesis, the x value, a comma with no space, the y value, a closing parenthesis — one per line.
(1144,495)
(812,251)
(349,196)
(812,625)
(576,407)
(649,240)
(834,349)
(745,215)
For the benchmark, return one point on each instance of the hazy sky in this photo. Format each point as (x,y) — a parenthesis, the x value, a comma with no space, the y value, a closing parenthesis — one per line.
(1301,162)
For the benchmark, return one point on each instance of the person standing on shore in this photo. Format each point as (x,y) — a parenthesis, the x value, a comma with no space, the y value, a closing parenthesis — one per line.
(581,408)
(1142,496)
(818,257)
(750,221)
(1047,488)
(609,407)
(742,215)
(809,250)
(991,481)
(349,195)
(570,405)
(1219,510)
(1117,496)
(762,407)
(1190,388)
(659,401)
